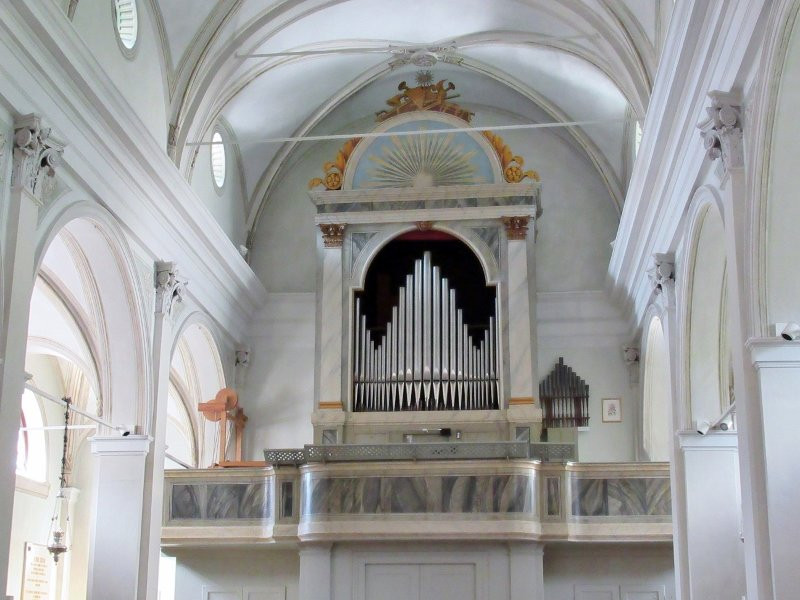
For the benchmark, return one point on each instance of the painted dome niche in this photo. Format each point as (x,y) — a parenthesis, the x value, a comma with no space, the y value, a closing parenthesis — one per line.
(399,153)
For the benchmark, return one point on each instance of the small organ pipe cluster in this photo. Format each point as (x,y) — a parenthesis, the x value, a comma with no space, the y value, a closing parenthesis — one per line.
(426,360)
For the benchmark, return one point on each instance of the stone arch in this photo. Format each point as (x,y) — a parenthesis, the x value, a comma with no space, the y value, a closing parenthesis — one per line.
(702,299)
(776,211)
(479,247)
(196,374)
(104,270)
(656,391)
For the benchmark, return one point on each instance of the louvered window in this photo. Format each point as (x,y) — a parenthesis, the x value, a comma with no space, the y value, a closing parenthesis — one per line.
(127,21)
(218,159)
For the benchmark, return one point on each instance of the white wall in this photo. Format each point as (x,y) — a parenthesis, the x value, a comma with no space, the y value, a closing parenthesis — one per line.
(607,567)
(269,571)
(586,329)
(140,77)
(279,382)
(32,513)
(226,204)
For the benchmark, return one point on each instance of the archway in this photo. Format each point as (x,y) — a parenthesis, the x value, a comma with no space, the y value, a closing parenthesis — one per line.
(708,351)
(656,414)
(196,375)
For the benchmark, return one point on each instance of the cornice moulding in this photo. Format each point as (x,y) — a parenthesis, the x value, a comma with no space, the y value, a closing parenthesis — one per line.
(700,56)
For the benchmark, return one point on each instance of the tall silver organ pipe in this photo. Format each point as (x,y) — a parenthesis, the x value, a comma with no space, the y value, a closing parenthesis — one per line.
(427,359)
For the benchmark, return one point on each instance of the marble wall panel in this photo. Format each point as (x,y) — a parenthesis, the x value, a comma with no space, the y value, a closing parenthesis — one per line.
(618,497)
(219,501)
(497,494)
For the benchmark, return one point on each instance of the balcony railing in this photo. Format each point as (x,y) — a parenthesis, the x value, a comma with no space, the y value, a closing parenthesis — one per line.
(517,499)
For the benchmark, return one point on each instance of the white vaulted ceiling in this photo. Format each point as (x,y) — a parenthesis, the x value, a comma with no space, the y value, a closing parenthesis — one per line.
(538,60)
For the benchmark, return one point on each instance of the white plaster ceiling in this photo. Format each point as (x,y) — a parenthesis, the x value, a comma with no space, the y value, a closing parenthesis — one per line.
(546,60)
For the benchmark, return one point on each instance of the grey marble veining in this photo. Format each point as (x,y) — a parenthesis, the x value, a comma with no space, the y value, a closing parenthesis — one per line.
(621,497)
(408,495)
(553,496)
(219,501)
(369,206)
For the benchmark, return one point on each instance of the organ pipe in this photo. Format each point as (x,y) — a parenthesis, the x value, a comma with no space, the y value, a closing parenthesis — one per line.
(427,359)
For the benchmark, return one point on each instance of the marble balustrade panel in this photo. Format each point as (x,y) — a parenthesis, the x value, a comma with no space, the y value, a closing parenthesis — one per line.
(368,206)
(369,495)
(219,501)
(621,497)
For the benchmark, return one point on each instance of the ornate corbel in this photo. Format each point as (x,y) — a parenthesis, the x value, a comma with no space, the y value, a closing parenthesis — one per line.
(722,130)
(169,286)
(630,354)
(242,356)
(662,273)
(36,155)
(516,227)
(333,234)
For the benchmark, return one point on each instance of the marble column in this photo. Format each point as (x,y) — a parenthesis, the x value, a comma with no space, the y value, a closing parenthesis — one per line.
(330,342)
(36,154)
(526,571)
(520,318)
(315,572)
(722,136)
(115,536)
(169,288)
(712,502)
(777,364)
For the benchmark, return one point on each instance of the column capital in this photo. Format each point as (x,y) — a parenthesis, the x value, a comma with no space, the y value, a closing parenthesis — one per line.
(333,234)
(721,130)
(118,445)
(169,285)
(516,227)
(662,273)
(37,153)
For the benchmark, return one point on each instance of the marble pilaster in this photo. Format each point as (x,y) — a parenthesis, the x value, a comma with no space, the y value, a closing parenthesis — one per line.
(330,341)
(520,320)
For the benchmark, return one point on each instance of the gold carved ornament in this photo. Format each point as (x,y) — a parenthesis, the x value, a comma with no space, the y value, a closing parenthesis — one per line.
(334,171)
(511,164)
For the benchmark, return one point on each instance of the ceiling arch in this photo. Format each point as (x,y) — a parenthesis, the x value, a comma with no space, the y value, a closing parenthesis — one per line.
(571,60)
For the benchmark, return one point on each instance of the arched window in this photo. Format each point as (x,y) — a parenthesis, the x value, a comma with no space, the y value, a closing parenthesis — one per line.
(126,20)
(31,446)
(218,165)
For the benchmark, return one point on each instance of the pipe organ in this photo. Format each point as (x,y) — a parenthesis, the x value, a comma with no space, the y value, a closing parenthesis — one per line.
(427,359)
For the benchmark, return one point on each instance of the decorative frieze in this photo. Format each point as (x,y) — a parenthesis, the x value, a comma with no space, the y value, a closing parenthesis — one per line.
(333,234)
(36,155)
(170,286)
(722,130)
(516,227)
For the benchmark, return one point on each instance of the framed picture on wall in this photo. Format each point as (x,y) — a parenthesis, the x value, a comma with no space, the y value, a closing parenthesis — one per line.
(612,410)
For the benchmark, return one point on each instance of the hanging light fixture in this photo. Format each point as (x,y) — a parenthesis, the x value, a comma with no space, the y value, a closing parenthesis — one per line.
(57,543)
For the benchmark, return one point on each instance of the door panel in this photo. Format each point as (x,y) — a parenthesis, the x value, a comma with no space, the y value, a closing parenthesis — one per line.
(391,582)
(448,582)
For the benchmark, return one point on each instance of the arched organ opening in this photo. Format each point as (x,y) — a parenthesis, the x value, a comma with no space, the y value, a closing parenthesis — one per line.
(426,356)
